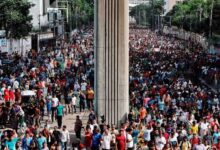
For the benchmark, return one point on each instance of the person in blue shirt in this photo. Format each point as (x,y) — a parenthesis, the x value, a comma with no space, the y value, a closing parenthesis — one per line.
(161,105)
(49,105)
(135,134)
(40,141)
(216,136)
(60,108)
(26,142)
(10,144)
(96,138)
(199,105)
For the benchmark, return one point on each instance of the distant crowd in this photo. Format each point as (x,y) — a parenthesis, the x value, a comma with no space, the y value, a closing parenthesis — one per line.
(170,109)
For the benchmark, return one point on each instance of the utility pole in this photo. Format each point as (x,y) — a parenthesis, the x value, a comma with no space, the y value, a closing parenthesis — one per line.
(139,14)
(170,24)
(153,19)
(210,20)
(158,22)
(39,32)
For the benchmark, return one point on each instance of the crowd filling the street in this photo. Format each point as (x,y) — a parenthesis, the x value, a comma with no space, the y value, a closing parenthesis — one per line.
(170,107)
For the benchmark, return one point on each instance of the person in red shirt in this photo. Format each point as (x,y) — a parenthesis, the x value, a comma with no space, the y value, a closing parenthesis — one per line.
(121,140)
(194,140)
(11,95)
(162,91)
(166,135)
(88,137)
(17,95)
(6,94)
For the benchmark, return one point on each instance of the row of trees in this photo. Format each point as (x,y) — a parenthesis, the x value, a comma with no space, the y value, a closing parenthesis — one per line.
(82,12)
(199,16)
(146,14)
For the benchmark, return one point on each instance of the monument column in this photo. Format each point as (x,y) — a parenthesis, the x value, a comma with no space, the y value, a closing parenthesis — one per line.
(112,59)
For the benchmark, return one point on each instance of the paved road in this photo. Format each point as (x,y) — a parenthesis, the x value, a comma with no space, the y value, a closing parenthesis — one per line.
(69,121)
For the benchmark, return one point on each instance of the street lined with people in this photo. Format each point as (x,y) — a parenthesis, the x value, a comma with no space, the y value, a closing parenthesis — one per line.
(48,102)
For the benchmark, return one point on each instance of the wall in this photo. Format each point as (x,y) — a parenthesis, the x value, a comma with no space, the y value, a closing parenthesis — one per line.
(39,9)
(21,46)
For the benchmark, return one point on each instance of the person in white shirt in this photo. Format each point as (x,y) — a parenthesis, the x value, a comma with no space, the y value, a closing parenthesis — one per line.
(54,106)
(83,86)
(160,141)
(73,103)
(199,146)
(147,133)
(130,141)
(106,140)
(15,84)
(76,86)
(65,138)
(173,139)
(203,127)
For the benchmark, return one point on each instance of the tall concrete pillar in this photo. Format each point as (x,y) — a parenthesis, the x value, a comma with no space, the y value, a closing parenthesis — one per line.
(112,59)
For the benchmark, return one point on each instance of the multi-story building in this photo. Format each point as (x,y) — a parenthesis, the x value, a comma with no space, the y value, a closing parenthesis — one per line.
(39,13)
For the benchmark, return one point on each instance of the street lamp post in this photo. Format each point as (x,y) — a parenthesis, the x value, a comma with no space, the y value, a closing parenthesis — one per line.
(210,23)
(39,32)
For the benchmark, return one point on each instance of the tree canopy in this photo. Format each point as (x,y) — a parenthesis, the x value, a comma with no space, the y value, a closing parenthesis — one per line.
(145,14)
(15,18)
(194,15)
(82,10)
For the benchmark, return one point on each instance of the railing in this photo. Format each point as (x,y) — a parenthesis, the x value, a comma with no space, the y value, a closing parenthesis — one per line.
(185,35)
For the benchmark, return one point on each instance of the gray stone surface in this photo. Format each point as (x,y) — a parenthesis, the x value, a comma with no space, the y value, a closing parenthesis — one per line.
(112,59)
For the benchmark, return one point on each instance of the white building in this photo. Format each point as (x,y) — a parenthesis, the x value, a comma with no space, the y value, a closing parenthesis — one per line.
(39,13)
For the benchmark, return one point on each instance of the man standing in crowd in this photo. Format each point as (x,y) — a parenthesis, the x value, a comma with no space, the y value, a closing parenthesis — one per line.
(73,103)
(65,138)
(78,127)
(55,102)
(106,140)
(60,108)
(121,140)
(90,97)
(130,142)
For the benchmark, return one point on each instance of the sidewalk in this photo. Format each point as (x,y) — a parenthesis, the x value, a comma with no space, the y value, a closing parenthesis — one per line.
(69,121)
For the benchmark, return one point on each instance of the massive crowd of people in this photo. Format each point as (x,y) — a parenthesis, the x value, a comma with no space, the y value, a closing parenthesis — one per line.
(169,108)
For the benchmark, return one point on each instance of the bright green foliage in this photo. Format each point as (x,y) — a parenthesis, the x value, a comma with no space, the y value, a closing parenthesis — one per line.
(194,15)
(82,11)
(15,18)
(142,14)
(145,14)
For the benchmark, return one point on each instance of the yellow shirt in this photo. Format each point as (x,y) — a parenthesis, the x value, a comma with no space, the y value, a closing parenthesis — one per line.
(195,129)
(185,146)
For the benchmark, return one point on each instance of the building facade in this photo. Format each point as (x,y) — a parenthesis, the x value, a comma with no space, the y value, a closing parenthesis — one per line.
(39,13)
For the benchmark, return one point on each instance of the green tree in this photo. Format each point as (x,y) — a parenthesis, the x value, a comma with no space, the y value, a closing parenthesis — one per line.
(15,18)
(82,11)
(145,14)
(142,14)
(194,15)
